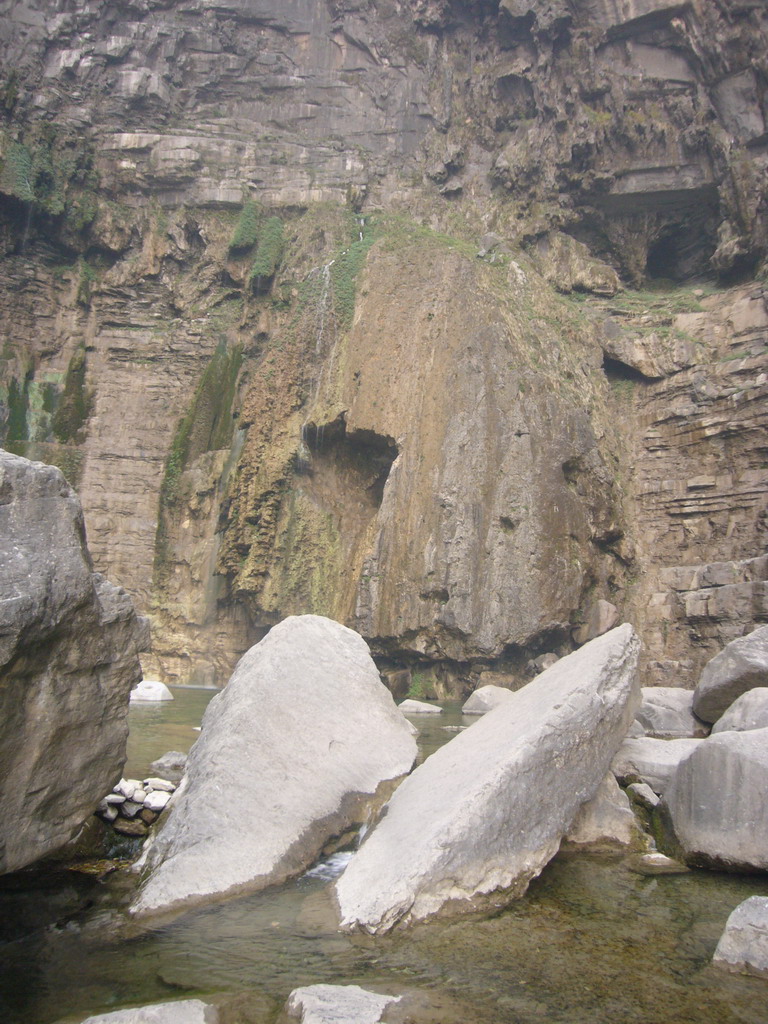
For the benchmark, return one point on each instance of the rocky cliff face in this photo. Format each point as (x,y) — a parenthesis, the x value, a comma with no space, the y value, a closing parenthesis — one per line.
(335,307)
(69,644)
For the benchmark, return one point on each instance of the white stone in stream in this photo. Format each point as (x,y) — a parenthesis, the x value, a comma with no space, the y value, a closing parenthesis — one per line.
(483,815)
(337,1004)
(418,707)
(127,787)
(129,809)
(749,711)
(743,946)
(645,759)
(606,818)
(667,713)
(150,689)
(184,1011)
(157,800)
(139,796)
(114,798)
(484,699)
(740,666)
(717,801)
(291,753)
(163,784)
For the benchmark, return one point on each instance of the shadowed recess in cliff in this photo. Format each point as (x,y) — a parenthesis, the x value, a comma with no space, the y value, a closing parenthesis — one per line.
(325,519)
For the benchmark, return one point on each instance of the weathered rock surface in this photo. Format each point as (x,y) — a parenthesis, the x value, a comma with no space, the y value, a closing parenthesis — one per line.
(337,1004)
(667,713)
(484,699)
(151,689)
(717,801)
(749,711)
(291,753)
(741,666)
(743,946)
(606,819)
(185,1011)
(69,644)
(649,760)
(484,814)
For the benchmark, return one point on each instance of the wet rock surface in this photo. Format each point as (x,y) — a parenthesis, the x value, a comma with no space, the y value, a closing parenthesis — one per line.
(743,946)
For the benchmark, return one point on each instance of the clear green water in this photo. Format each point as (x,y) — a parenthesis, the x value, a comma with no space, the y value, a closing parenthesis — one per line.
(591,942)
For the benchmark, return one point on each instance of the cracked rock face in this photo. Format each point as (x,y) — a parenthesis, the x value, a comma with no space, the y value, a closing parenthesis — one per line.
(69,644)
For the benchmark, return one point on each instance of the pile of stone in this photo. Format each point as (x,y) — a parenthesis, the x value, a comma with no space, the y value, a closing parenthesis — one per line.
(135,804)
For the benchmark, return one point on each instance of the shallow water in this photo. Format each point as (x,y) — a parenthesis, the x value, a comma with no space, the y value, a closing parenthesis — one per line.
(591,942)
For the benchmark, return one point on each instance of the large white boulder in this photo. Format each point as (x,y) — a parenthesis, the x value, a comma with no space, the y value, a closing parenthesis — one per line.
(485,698)
(483,815)
(717,801)
(649,760)
(291,753)
(740,666)
(749,711)
(667,713)
(743,946)
(419,707)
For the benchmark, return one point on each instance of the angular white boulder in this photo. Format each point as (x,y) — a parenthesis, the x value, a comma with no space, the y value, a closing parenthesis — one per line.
(184,1011)
(740,666)
(717,801)
(743,946)
(292,752)
(605,819)
(150,689)
(749,711)
(484,814)
(484,699)
(337,1004)
(649,760)
(667,713)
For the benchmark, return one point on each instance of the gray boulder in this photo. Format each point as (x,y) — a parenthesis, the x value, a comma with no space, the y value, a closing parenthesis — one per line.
(649,760)
(739,667)
(69,644)
(483,815)
(717,801)
(184,1011)
(743,946)
(667,713)
(606,819)
(151,690)
(293,750)
(485,698)
(337,1004)
(749,711)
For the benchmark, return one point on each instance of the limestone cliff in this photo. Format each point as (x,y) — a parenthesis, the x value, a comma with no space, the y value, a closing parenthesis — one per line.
(333,307)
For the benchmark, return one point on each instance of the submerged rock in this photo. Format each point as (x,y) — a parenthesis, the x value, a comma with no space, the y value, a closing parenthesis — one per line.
(743,946)
(291,754)
(337,1004)
(69,644)
(483,815)
(739,667)
(717,801)
(485,699)
(185,1011)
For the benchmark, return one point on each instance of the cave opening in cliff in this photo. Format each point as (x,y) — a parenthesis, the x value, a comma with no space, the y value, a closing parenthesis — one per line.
(346,465)
(683,248)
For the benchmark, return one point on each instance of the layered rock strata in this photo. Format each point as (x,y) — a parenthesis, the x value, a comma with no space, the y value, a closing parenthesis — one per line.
(69,644)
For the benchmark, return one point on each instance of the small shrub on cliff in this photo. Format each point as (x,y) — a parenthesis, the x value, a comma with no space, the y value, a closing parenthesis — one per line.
(268,253)
(247,227)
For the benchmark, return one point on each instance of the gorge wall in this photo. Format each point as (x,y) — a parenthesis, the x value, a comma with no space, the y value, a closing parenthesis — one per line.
(443,319)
